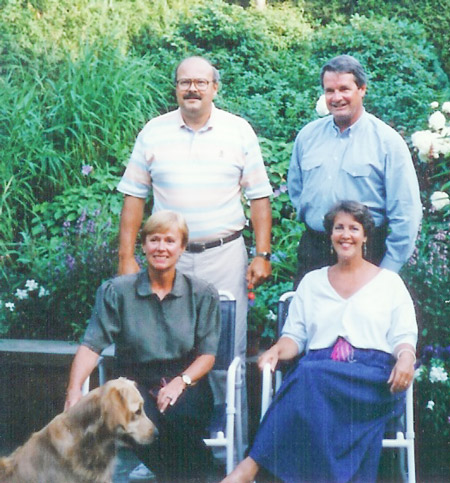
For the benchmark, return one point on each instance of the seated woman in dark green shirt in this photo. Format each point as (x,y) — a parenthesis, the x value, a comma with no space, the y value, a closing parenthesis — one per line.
(166,327)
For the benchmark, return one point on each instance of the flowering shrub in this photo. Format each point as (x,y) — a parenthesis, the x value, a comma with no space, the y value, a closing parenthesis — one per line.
(428,277)
(16,307)
(428,270)
(433,148)
(48,286)
(432,394)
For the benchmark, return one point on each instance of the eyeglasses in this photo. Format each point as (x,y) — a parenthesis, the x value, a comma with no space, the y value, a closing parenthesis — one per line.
(200,84)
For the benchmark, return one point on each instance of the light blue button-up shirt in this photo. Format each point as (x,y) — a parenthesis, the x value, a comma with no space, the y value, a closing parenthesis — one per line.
(368,162)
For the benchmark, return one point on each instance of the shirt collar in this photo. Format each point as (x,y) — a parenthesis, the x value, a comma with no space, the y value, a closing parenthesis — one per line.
(351,129)
(210,123)
(144,287)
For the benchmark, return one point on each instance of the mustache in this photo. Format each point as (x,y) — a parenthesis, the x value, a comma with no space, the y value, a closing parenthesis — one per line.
(192,95)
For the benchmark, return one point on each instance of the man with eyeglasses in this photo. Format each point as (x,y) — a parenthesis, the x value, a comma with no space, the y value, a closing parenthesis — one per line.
(197,160)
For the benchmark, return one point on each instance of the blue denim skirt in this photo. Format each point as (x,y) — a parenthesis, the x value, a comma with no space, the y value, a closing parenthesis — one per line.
(327,420)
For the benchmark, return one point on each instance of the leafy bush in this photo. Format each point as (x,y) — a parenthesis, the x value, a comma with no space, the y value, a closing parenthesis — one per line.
(55,120)
(55,270)
(402,67)
(434,15)
(432,384)
(428,270)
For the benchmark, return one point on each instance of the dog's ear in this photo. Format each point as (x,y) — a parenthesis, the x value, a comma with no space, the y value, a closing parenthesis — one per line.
(86,411)
(114,408)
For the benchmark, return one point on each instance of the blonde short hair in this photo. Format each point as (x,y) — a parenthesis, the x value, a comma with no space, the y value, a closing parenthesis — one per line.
(162,221)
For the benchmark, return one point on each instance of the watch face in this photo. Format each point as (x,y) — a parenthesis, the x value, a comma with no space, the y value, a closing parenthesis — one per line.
(186,379)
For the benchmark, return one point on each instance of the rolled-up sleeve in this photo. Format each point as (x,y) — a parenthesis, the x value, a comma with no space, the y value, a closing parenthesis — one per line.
(295,325)
(104,323)
(403,327)
(208,322)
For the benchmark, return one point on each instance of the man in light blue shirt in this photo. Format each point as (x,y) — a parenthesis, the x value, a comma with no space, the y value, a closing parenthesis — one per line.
(353,155)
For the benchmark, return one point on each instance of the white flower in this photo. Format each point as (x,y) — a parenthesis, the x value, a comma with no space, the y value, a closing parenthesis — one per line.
(430,405)
(43,292)
(21,294)
(10,306)
(31,285)
(439,199)
(418,373)
(438,374)
(446,107)
(434,105)
(441,145)
(271,316)
(423,142)
(436,121)
(321,106)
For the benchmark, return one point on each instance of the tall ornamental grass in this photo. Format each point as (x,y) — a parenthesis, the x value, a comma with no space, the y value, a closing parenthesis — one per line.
(62,116)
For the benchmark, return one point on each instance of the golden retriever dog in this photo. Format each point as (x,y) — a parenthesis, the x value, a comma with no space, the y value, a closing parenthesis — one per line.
(79,445)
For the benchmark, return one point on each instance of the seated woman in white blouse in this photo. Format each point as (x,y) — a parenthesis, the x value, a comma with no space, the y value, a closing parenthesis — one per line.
(357,326)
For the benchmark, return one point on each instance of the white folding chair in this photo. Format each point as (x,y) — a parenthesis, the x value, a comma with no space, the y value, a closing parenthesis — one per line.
(227,425)
(404,431)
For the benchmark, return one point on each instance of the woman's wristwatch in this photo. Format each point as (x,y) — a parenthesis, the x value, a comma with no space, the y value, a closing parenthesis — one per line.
(186,379)
(265,255)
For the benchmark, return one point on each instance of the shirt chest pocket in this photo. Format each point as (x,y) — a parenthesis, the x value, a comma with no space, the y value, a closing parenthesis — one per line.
(356,169)
(311,162)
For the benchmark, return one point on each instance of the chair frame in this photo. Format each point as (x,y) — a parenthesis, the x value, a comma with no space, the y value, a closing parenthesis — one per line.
(404,440)
(231,436)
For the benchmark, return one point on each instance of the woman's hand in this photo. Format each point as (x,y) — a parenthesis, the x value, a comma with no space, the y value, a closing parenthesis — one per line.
(284,350)
(73,395)
(402,374)
(169,394)
(271,356)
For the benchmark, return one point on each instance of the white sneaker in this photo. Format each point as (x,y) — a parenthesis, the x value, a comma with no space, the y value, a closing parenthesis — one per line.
(141,473)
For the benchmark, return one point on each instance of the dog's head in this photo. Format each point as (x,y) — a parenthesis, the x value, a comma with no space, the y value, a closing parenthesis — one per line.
(122,410)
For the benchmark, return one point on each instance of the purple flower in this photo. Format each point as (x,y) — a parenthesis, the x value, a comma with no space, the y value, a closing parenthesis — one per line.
(70,262)
(276,193)
(86,169)
(90,226)
(283,188)
(427,353)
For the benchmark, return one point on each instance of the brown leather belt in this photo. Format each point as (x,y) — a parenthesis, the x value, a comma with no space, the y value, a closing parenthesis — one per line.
(199,247)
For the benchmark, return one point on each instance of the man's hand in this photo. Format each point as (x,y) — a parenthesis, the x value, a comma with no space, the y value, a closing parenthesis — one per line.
(258,272)
(260,269)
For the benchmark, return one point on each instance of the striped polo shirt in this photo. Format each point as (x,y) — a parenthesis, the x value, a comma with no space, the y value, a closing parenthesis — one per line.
(198,174)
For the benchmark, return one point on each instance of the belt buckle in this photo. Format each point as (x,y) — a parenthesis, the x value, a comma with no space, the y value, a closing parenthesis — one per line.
(196,247)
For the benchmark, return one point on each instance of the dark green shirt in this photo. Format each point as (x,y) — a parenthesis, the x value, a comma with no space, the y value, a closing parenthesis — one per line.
(145,328)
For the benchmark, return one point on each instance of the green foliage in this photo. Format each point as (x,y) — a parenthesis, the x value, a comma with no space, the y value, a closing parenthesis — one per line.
(428,277)
(56,119)
(402,68)
(72,249)
(434,15)
(432,395)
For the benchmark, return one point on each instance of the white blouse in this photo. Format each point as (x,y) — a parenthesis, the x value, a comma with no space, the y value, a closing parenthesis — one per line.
(380,315)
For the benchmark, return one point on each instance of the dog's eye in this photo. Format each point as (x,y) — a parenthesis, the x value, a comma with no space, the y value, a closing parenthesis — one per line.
(138,412)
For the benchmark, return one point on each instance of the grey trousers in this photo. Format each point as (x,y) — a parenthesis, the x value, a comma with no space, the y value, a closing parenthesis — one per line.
(225,267)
